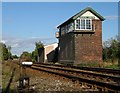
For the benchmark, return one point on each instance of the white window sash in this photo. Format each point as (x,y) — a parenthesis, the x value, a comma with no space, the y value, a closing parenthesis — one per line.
(85,24)
(90,24)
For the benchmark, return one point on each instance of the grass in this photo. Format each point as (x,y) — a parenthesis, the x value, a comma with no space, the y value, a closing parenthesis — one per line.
(7,68)
(91,64)
(112,66)
(107,64)
(6,74)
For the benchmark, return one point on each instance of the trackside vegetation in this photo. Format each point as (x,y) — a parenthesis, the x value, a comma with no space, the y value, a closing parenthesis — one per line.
(111,54)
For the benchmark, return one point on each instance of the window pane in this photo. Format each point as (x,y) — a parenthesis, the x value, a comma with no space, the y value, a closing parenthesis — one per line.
(88,24)
(77,24)
(62,30)
(70,27)
(66,29)
(82,23)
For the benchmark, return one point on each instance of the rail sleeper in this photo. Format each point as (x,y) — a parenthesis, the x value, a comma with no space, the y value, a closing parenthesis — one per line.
(104,86)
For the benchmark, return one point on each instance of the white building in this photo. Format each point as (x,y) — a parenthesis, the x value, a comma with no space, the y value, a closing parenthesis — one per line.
(49,52)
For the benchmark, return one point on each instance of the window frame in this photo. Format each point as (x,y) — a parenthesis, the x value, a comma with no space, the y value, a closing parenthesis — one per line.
(70,27)
(67,28)
(84,25)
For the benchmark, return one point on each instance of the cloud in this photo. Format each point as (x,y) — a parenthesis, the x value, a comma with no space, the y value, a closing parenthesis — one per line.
(25,44)
(3,41)
(14,45)
(112,17)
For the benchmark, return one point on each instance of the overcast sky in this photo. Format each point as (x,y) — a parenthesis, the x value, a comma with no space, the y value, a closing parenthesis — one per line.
(23,24)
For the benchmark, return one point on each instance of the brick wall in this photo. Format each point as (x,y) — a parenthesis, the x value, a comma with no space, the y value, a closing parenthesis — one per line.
(82,47)
(66,48)
(88,47)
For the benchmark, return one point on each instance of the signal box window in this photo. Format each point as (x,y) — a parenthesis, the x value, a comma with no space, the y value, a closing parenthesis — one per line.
(83,24)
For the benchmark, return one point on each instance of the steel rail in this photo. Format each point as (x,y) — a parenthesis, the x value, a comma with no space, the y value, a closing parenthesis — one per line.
(92,82)
(113,78)
(96,69)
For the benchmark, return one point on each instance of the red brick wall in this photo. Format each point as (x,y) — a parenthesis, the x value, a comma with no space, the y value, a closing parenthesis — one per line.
(82,47)
(88,47)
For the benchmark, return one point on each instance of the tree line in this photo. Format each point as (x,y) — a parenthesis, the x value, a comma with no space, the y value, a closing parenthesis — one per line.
(5,52)
(111,51)
(25,56)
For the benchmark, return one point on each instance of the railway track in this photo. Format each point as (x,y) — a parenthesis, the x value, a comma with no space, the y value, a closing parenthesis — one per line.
(86,74)
(103,82)
(95,69)
(108,80)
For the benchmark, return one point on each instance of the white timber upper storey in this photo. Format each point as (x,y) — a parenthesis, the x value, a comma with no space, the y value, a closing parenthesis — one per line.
(88,13)
(81,21)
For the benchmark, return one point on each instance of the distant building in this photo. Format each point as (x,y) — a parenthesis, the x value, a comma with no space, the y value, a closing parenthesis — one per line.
(80,38)
(48,53)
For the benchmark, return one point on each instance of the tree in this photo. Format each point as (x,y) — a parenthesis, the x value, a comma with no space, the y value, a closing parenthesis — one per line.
(39,45)
(110,50)
(15,56)
(25,56)
(34,56)
(114,50)
(35,53)
(119,54)
(9,52)
(4,51)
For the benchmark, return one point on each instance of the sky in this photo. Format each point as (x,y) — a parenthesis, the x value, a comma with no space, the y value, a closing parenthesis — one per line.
(23,24)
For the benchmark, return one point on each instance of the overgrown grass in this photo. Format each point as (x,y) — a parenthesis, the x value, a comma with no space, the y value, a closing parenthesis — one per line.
(113,66)
(105,64)
(7,68)
(110,64)
(6,73)
(91,64)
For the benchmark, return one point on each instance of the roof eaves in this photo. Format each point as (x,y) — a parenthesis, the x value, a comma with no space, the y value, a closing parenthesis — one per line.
(80,13)
(97,14)
(89,9)
(69,20)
